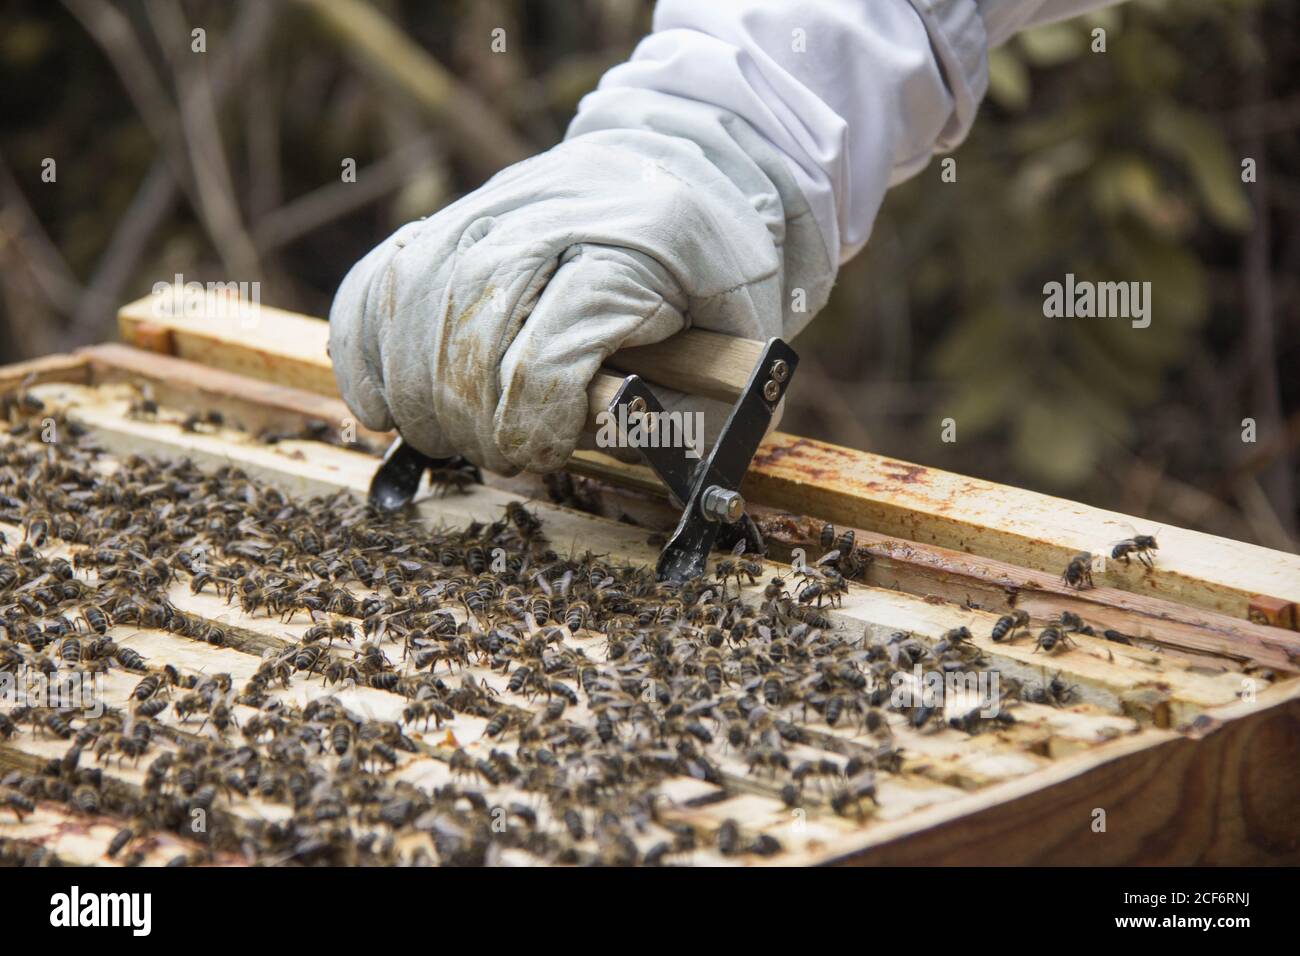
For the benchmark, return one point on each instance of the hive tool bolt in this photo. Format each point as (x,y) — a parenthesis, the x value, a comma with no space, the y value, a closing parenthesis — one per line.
(719,504)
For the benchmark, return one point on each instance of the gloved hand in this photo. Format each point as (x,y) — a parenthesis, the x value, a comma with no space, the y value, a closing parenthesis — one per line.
(476,331)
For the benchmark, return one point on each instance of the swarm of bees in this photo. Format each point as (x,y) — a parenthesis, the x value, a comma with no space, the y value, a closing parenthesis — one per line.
(593,683)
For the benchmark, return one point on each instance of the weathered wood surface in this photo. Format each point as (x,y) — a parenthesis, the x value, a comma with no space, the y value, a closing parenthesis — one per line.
(883,495)
(1227,793)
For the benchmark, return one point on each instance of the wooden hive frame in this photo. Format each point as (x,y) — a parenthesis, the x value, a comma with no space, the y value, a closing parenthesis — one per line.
(1188,737)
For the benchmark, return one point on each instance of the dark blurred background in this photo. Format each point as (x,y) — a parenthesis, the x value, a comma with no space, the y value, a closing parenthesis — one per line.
(1118,165)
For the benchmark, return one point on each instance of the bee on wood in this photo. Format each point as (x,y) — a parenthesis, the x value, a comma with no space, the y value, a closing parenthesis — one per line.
(340,672)
(1008,624)
(222,717)
(1071,623)
(16,802)
(130,659)
(1078,573)
(329,631)
(1052,638)
(424,710)
(475,559)
(827,588)
(729,840)
(341,736)
(455,474)
(539,606)
(498,724)
(827,537)
(143,408)
(192,703)
(147,687)
(55,724)
(577,616)
(953,638)
(70,650)
(395,578)
(1140,546)
(975,720)
(36,528)
(848,800)
(119,842)
(151,708)
(1054,692)
(767,757)
(308,659)
(738,566)
(526,523)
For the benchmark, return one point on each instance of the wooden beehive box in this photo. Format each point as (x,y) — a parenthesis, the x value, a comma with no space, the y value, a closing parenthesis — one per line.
(1179,744)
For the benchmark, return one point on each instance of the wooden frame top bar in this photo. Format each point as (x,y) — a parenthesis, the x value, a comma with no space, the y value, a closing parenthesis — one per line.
(815,478)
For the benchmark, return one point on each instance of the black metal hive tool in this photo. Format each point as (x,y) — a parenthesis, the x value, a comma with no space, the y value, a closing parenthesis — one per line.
(398,477)
(708,490)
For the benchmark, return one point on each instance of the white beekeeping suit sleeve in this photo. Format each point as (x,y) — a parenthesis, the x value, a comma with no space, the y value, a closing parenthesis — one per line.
(856,95)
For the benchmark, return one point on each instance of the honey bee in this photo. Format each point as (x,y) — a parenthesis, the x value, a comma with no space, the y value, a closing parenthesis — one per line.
(954,637)
(1140,545)
(525,522)
(36,527)
(827,537)
(328,632)
(1078,573)
(454,474)
(498,724)
(1052,638)
(1069,622)
(1008,624)
(738,566)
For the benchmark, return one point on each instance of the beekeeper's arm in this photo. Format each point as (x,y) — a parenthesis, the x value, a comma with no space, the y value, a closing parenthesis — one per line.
(717,178)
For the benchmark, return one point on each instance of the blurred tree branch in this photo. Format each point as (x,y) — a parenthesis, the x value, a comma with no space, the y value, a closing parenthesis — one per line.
(300,216)
(383,51)
(21,230)
(155,197)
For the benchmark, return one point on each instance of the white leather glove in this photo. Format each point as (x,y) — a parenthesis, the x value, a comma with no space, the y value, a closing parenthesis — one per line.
(476,331)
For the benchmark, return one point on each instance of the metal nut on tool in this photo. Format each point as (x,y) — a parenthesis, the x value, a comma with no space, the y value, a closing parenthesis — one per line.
(637,405)
(771,390)
(780,370)
(719,504)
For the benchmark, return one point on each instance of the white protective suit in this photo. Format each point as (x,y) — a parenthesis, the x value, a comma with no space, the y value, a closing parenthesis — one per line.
(716,179)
